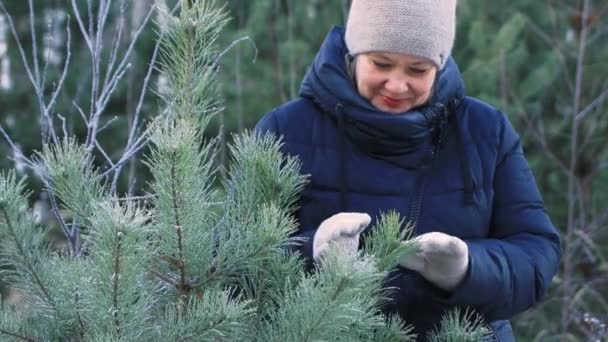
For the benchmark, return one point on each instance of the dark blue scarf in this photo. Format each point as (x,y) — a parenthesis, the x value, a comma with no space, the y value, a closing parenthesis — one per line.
(407,139)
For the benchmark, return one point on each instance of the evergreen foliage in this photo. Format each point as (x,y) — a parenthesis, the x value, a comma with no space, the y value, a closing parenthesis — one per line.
(461,327)
(72,176)
(386,241)
(192,263)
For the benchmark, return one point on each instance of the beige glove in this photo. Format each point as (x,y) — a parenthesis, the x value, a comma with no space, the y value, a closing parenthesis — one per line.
(343,230)
(441,259)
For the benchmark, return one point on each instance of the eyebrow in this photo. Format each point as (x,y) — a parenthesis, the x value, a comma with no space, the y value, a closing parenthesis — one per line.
(388,59)
(379,55)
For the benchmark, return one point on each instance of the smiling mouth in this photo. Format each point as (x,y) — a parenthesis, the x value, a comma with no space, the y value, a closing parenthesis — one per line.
(392,102)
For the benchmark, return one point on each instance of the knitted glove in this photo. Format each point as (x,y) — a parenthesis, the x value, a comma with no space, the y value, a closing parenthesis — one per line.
(341,229)
(441,259)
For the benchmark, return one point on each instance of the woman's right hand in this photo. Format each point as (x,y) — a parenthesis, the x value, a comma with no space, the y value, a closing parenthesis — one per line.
(342,230)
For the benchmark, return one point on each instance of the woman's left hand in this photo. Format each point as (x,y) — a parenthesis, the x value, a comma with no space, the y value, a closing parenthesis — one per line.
(441,259)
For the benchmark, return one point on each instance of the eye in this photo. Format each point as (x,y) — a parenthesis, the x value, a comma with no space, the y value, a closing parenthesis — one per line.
(381,65)
(418,71)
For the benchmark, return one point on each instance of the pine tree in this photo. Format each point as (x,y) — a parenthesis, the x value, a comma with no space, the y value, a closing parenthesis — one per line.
(191,261)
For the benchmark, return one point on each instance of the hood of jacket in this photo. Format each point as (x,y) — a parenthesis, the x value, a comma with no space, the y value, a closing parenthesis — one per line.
(406,139)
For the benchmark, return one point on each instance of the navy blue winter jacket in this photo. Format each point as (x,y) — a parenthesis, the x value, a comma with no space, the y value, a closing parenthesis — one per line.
(454,165)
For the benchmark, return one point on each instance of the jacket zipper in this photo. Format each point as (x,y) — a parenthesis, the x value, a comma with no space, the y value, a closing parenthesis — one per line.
(421,178)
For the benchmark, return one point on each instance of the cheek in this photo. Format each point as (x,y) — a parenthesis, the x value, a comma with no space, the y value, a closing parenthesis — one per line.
(424,89)
(368,85)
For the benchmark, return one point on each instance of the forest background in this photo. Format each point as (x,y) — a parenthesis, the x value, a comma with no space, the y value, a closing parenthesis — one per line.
(544,63)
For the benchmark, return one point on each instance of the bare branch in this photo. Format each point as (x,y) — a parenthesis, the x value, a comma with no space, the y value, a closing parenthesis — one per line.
(34,42)
(106,95)
(20,47)
(572,180)
(143,93)
(597,35)
(103,152)
(83,30)
(82,114)
(140,143)
(109,87)
(64,127)
(597,102)
(234,43)
(65,69)
(26,65)
(108,124)
(117,41)
(21,157)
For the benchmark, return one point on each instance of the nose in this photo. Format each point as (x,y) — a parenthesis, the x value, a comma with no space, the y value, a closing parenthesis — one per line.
(397,83)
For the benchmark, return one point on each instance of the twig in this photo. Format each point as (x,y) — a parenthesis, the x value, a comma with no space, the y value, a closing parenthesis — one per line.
(34,42)
(64,73)
(599,100)
(137,146)
(107,124)
(81,26)
(14,147)
(247,38)
(572,181)
(64,127)
(142,95)
(110,85)
(32,77)
(103,153)
(117,40)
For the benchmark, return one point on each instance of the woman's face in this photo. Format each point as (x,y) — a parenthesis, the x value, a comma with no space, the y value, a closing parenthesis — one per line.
(393,82)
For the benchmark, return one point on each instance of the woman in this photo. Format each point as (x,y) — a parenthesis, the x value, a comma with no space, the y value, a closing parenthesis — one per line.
(382,123)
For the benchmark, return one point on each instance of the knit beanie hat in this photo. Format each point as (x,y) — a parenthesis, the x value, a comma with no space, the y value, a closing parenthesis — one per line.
(423,28)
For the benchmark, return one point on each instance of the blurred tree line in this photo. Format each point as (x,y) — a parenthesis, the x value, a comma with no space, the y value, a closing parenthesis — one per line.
(543,63)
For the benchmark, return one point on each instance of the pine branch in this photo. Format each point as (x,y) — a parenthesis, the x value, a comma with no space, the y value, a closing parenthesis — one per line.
(388,242)
(220,317)
(20,337)
(342,285)
(121,248)
(207,329)
(461,327)
(182,287)
(25,257)
(162,277)
(115,279)
(77,307)
(342,297)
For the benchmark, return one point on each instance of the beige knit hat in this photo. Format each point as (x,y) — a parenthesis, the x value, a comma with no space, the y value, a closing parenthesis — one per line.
(423,28)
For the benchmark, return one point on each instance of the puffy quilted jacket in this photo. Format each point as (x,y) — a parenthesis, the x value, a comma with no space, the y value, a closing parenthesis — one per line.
(454,165)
